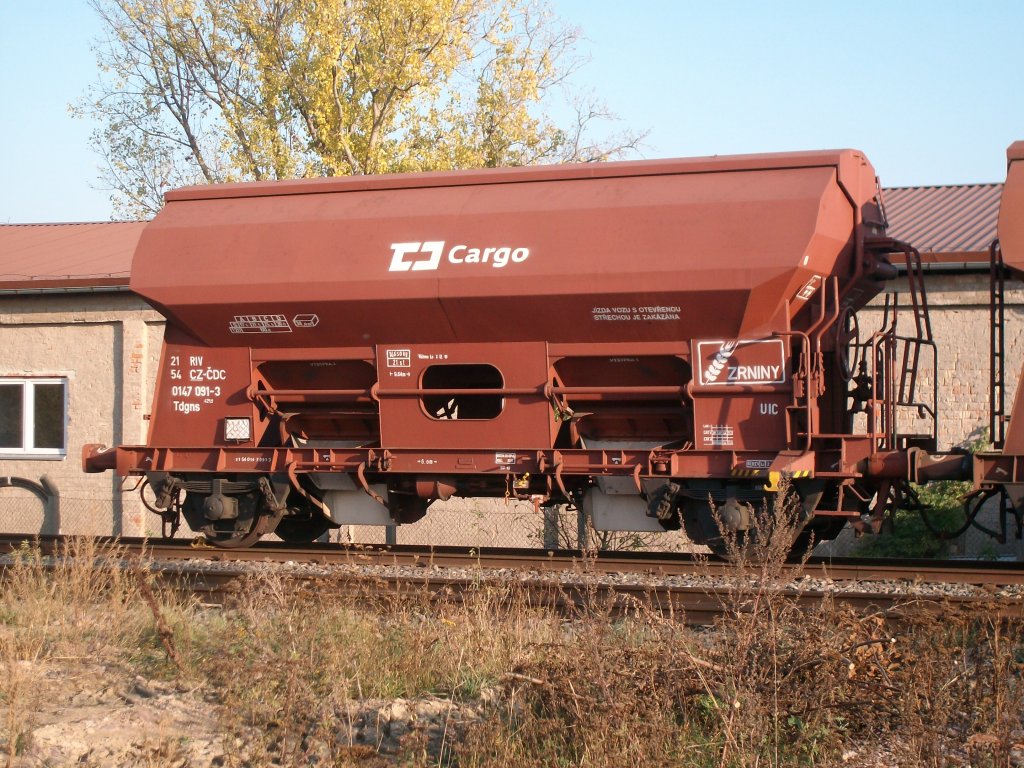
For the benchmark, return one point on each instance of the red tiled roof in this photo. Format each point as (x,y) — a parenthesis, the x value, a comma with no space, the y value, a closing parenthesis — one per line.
(946,224)
(67,255)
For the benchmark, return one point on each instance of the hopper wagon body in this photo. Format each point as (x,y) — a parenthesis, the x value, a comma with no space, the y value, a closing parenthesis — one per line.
(657,342)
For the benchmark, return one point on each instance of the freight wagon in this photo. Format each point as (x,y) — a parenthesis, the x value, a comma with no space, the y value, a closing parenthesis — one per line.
(659,343)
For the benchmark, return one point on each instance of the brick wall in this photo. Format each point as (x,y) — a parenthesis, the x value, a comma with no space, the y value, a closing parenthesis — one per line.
(960,325)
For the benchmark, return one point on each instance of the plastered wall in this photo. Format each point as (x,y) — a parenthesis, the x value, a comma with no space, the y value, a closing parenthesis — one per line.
(107,346)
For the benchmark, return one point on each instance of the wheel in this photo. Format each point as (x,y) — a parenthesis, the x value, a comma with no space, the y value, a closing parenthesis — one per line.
(701,523)
(243,530)
(233,539)
(301,530)
(752,517)
(722,550)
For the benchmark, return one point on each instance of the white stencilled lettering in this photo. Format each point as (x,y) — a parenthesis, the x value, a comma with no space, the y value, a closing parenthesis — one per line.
(745,373)
(427,255)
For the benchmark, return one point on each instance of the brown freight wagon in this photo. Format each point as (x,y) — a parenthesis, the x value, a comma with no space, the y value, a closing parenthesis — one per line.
(647,340)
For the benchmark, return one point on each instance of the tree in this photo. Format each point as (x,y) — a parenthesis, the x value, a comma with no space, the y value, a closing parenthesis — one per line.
(203,91)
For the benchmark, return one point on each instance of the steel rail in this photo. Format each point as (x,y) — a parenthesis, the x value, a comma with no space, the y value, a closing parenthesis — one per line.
(977,573)
(194,572)
(694,605)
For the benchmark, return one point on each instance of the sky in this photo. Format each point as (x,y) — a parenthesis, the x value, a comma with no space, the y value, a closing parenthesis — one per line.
(930,91)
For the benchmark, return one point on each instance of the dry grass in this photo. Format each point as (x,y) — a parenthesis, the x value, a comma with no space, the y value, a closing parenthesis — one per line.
(295,675)
(58,610)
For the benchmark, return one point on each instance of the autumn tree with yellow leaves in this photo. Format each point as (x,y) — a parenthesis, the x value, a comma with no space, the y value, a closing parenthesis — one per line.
(203,91)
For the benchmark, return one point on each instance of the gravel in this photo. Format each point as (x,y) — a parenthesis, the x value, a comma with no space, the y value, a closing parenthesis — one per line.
(630,580)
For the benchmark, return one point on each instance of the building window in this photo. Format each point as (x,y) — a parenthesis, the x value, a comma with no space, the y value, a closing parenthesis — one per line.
(33,418)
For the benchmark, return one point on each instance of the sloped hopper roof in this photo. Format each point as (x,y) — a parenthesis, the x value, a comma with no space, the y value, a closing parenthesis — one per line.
(607,252)
(66,256)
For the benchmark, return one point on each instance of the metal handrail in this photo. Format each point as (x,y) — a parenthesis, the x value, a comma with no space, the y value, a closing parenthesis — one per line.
(997,359)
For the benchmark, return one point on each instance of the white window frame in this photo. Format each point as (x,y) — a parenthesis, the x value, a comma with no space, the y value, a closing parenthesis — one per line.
(28,426)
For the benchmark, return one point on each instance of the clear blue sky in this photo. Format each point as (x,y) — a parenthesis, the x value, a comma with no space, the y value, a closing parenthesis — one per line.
(931,91)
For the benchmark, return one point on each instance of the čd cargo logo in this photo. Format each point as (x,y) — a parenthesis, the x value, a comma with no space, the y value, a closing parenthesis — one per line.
(741,362)
(419,257)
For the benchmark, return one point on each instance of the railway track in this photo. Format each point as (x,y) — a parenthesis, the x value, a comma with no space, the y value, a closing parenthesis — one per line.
(568,579)
(653,563)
